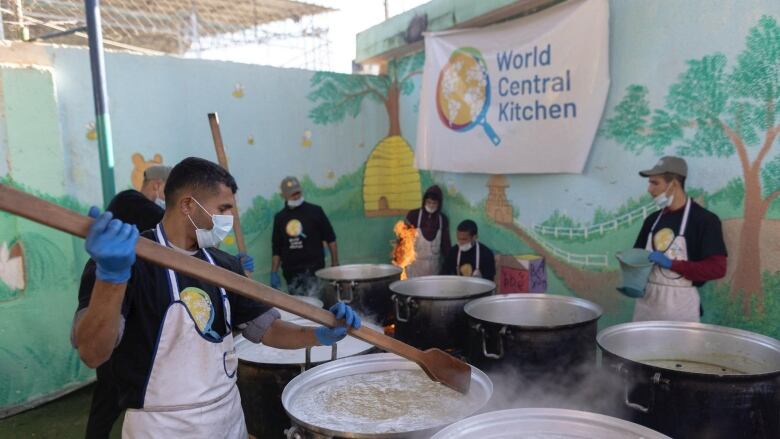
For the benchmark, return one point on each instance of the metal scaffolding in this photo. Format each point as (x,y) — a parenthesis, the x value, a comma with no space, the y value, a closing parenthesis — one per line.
(164,26)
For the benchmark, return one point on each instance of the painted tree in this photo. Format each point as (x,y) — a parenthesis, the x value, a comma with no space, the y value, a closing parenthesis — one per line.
(339,95)
(391,185)
(715,113)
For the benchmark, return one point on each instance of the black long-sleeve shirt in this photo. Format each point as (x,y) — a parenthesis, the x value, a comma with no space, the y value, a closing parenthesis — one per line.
(298,235)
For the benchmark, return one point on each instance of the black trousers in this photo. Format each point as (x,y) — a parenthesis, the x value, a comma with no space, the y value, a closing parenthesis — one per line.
(105,409)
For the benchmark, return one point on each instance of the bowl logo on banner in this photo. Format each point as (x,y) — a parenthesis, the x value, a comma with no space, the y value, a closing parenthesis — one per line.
(463,93)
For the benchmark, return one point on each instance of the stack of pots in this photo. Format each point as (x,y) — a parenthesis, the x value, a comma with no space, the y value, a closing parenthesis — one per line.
(364,287)
(691,380)
(263,372)
(429,309)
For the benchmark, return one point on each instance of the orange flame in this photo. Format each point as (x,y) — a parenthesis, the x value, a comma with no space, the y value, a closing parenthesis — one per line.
(403,252)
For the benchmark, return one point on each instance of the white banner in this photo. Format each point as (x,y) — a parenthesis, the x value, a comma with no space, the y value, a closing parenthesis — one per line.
(524,96)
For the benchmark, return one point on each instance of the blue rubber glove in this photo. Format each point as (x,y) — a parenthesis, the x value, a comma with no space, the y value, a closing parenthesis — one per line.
(111,244)
(328,336)
(276,281)
(660,259)
(247,261)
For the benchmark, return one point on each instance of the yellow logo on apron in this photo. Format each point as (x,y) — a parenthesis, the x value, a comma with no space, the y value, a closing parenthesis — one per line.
(663,239)
(466,270)
(199,305)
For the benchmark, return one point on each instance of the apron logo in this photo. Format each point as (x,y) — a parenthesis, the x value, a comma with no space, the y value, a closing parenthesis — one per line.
(466,270)
(463,93)
(663,239)
(199,305)
(294,228)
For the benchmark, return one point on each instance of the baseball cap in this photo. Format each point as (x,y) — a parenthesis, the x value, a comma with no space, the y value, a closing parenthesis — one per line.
(157,172)
(289,186)
(667,165)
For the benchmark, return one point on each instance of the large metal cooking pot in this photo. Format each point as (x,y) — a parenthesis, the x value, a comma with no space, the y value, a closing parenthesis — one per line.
(481,389)
(429,309)
(263,372)
(545,423)
(691,380)
(535,335)
(363,286)
(310,300)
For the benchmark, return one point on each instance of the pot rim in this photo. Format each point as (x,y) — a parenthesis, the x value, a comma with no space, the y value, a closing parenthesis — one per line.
(341,353)
(366,360)
(553,415)
(518,297)
(763,340)
(488,287)
(327,272)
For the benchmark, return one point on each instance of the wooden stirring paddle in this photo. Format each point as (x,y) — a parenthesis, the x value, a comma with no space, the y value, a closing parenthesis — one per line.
(437,364)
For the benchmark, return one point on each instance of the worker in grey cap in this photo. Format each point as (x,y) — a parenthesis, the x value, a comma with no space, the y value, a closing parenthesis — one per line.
(299,233)
(686,245)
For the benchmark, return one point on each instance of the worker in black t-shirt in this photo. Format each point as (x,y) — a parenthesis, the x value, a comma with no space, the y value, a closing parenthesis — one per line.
(469,257)
(686,241)
(300,231)
(167,337)
(144,209)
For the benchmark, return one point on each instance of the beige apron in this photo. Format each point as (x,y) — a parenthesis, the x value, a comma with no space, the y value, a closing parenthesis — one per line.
(191,391)
(668,295)
(427,253)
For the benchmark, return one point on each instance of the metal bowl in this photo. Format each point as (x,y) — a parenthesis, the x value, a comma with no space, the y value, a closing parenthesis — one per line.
(545,424)
(481,386)
(533,310)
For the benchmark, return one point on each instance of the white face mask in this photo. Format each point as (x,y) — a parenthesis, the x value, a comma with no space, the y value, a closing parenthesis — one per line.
(663,201)
(430,209)
(465,247)
(159,201)
(223,224)
(295,203)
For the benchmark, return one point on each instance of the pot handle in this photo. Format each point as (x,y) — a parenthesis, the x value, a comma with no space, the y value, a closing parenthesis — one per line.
(339,298)
(407,305)
(655,381)
(294,432)
(500,335)
(334,354)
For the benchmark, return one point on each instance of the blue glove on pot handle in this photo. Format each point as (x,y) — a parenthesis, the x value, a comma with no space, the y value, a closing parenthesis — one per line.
(247,262)
(276,281)
(660,259)
(111,244)
(328,336)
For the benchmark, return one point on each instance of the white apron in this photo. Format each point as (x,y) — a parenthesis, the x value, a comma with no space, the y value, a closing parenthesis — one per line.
(476,272)
(427,253)
(191,392)
(668,295)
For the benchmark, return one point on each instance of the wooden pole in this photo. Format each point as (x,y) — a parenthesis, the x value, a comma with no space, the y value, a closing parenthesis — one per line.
(216,134)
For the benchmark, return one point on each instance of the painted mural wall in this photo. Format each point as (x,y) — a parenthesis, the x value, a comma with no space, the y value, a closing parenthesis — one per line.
(350,138)
(704,88)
